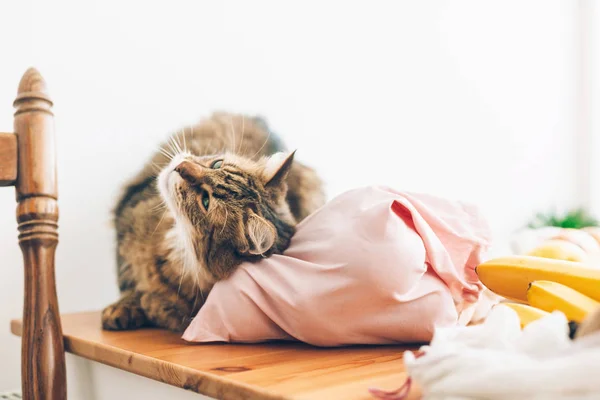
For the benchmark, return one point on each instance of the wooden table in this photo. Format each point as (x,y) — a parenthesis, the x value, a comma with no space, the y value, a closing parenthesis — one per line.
(237,371)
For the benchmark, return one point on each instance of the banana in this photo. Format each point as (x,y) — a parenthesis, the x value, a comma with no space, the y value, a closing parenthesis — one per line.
(551,296)
(526,314)
(560,250)
(510,277)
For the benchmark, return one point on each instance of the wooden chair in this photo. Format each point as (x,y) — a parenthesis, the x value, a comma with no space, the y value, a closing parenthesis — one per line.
(28,161)
(224,371)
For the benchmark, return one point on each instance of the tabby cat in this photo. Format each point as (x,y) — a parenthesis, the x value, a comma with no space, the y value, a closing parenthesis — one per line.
(226,192)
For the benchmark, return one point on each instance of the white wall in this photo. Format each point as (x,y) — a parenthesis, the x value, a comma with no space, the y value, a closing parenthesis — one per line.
(592,98)
(467,99)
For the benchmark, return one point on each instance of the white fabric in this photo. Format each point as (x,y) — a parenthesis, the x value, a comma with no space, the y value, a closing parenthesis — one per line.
(498,360)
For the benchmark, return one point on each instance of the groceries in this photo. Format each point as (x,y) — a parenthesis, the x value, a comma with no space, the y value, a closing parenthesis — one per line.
(545,284)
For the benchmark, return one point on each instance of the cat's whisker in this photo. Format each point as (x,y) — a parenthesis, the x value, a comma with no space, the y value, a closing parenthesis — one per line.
(226,215)
(166,153)
(201,294)
(197,279)
(177,144)
(157,168)
(263,145)
(184,142)
(194,305)
(183,272)
(232,132)
(155,212)
(171,149)
(242,137)
(173,145)
(159,222)
(161,203)
(159,206)
(242,150)
(193,308)
(207,214)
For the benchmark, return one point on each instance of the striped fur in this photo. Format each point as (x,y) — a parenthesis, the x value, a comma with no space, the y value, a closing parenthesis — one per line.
(171,249)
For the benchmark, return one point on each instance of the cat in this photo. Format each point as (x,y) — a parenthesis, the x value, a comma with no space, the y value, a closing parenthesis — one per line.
(227,191)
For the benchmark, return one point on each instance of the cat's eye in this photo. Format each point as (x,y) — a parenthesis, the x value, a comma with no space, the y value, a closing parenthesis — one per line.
(217,164)
(205,200)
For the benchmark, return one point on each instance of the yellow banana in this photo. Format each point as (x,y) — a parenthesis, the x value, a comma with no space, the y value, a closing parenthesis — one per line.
(551,296)
(559,250)
(526,314)
(510,277)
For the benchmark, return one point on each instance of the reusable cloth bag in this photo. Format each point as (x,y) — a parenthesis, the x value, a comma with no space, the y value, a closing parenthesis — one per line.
(372,266)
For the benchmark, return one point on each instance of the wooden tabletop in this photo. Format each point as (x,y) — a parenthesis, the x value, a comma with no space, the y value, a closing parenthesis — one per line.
(237,371)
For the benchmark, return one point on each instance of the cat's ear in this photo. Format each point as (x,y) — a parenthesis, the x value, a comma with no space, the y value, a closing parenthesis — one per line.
(277,168)
(261,234)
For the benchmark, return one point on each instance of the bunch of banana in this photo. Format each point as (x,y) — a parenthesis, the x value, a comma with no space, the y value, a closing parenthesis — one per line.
(579,245)
(544,284)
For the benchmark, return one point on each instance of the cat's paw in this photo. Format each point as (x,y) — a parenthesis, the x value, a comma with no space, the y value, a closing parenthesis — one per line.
(163,313)
(119,316)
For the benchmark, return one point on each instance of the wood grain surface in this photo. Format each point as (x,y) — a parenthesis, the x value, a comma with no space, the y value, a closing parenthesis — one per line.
(237,371)
(43,374)
(8,159)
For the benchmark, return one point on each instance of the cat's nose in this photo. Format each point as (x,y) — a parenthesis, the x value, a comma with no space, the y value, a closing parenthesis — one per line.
(189,171)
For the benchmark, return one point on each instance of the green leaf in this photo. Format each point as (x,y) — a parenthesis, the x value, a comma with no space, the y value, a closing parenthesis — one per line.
(575,219)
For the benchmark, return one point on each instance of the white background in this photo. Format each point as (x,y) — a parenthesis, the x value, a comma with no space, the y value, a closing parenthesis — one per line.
(477,100)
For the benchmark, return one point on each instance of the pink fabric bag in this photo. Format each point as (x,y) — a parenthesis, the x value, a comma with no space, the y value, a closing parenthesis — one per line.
(372,266)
